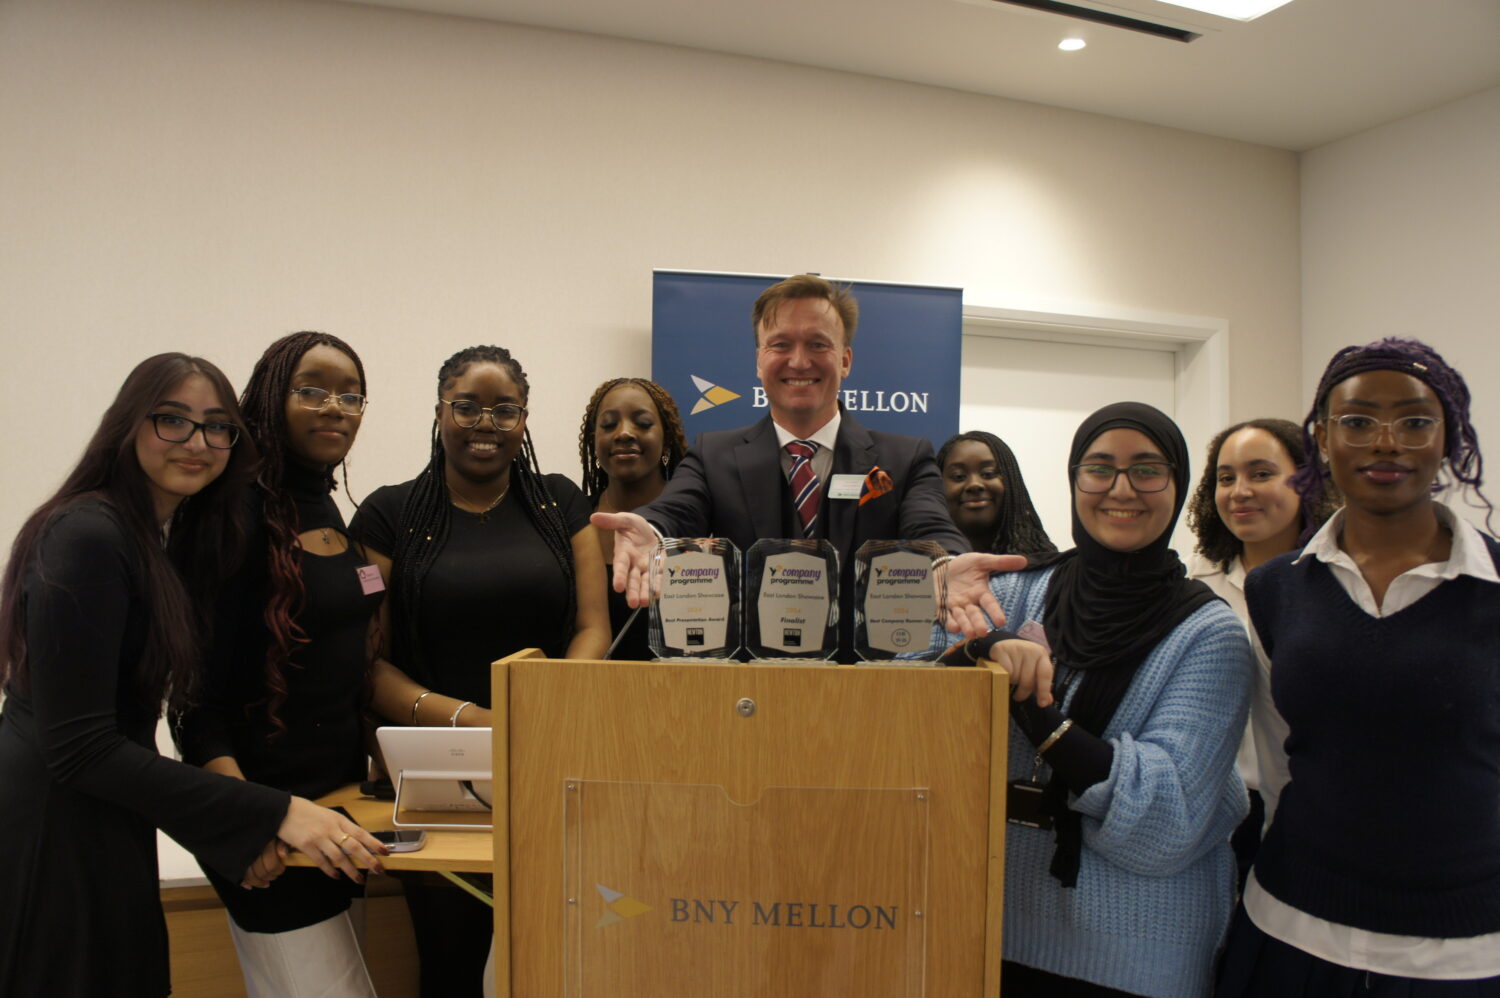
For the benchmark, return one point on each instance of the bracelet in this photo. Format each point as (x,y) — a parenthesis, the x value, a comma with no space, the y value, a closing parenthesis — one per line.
(453,721)
(938,563)
(1051,740)
(416,703)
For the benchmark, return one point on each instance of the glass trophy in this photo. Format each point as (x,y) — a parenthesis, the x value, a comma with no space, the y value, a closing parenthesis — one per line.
(792,600)
(894,605)
(696,615)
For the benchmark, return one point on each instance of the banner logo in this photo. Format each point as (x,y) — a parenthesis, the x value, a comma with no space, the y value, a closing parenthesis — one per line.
(711,395)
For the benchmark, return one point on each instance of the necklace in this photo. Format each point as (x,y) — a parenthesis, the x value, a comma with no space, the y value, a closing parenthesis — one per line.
(484,514)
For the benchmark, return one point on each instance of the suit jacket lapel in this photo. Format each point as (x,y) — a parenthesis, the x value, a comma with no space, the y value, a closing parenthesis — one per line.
(853,454)
(757,459)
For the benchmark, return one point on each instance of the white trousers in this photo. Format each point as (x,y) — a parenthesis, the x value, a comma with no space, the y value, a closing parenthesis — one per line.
(323,960)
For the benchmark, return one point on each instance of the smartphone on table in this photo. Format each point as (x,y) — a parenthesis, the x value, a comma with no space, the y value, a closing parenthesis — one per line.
(402,839)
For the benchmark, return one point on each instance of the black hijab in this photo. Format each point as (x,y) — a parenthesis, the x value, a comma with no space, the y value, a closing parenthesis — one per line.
(1106,610)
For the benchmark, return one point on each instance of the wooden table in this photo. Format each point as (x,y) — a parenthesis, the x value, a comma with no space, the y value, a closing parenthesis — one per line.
(445,852)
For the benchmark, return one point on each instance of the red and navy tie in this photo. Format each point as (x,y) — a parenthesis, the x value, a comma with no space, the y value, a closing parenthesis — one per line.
(805,484)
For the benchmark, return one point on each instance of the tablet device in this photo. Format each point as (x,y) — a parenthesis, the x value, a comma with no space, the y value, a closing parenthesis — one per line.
(442,776)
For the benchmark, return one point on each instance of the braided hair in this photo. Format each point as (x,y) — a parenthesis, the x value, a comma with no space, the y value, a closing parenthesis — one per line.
(422,530)
(264,407)
(1018,529)
(674,440)
(1216,541)
(1463,462)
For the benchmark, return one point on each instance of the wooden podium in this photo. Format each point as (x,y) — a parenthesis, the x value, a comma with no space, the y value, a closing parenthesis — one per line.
(667,831)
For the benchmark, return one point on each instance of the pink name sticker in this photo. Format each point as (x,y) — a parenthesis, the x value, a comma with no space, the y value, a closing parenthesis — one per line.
(370,580)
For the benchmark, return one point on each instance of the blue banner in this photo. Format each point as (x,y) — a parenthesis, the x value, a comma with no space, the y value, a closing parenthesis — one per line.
(904,379)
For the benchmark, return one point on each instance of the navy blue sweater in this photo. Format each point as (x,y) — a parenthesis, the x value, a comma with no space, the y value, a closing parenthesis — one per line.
(1391,821)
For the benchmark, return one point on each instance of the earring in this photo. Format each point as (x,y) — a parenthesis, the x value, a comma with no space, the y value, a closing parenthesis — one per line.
(664,457)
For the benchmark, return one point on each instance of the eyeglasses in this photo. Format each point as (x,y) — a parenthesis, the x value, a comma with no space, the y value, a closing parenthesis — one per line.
(1096,478)
(1409,432)
(175,429)
(316,398)
(505,416)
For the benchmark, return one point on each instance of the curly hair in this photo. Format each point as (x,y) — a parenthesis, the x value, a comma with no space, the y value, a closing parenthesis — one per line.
(1464,464)
(674,440)
(426,514)
(1018,529)
(264,406)
(1216,541)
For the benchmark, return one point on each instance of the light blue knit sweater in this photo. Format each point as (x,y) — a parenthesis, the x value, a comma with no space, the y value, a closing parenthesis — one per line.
(1156,883)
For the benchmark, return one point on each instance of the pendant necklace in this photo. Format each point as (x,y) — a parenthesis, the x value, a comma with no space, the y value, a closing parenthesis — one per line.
(484,514)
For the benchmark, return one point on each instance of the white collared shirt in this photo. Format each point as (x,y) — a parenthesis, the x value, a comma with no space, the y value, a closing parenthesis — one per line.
(1377,952)
(825,437)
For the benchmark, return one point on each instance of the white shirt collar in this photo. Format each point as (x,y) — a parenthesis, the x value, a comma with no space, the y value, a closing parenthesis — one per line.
(1468,556)
(825,436)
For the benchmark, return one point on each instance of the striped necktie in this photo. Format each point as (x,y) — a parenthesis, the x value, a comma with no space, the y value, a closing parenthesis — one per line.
(805,484)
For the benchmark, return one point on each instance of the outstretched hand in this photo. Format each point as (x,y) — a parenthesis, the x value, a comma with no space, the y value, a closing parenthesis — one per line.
(969,598)
(330,840)
(635,542)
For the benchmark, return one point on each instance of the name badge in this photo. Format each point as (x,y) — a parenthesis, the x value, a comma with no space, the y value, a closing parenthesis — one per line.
(845,486)
(370,580)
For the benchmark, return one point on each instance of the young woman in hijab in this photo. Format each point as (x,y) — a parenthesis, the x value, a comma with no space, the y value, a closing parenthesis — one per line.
(1244,513)
(287,678)
(1377,709)
(101,611)
(1123,753)
(988,500)
(630,443)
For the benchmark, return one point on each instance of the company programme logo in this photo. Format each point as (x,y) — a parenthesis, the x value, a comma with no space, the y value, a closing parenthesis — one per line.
(677,576)
(794,576)
(898,576)
(711,395)
(620,907)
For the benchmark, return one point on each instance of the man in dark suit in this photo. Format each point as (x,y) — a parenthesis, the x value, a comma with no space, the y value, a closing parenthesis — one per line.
(801,471)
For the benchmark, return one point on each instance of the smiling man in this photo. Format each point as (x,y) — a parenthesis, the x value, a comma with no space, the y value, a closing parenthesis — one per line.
(772,479)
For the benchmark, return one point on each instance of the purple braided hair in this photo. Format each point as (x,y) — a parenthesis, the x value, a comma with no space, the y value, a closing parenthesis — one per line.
(1460,443)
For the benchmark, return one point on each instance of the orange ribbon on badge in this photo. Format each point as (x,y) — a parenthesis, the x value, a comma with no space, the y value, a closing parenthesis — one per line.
(876,484)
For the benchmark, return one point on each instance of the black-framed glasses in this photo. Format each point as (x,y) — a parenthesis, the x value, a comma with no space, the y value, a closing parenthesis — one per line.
(175,429)
(505,416)
(1409,432)
(351,403)
(1148,476)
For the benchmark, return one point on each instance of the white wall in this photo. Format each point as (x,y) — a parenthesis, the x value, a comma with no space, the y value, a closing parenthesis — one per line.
(1401,237)
(207,176)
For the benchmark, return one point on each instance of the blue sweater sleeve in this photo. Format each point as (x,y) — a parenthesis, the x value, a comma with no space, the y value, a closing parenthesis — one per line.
(1172,793)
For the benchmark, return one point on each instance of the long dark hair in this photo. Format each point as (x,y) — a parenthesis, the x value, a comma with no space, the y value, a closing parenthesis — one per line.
(1018,529)
(1464,464)
(205,538)
(264,406)
(1216,541)
(673,439)
(423,526)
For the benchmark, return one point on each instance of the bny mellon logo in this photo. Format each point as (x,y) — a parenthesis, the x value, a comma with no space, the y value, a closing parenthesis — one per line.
(620,907)
(712,395)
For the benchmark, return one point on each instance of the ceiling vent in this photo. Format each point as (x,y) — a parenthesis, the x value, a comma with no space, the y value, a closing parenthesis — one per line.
(1150,17)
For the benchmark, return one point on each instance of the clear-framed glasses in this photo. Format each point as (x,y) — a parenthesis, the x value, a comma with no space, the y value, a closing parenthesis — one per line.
(351,404)
(1150,476)
(1409,432)
(505,416)
(175,429)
